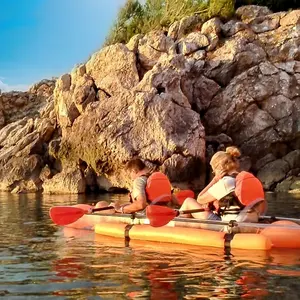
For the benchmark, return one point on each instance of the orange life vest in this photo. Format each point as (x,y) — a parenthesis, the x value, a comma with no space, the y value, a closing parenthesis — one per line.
(248,188)
(158,188)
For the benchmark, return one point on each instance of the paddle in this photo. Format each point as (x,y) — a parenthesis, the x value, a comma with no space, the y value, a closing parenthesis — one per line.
(64,215)
(162,215)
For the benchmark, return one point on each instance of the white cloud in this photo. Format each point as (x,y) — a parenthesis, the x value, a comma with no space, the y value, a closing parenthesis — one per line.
(4,87)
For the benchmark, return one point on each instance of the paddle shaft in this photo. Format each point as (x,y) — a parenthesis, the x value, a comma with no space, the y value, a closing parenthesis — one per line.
(190,211)
(102,208)
(271,218)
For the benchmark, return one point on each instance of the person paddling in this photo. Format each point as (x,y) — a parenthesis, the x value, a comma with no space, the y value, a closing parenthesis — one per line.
(231,194)
(147,188)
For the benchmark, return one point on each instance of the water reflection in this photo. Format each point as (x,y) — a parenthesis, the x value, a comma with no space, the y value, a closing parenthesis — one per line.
(40,260)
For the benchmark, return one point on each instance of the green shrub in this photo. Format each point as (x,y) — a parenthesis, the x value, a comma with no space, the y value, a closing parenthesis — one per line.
(128,23)
(134,17)
(223,9)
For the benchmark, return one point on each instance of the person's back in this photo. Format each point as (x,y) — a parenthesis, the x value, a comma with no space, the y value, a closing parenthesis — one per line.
(239,193)
(221,195)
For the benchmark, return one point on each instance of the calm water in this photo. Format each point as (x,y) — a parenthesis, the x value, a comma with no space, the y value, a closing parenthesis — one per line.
(42,261)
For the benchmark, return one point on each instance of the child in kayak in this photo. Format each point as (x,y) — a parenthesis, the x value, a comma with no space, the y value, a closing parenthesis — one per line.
(231,194)
(147,188)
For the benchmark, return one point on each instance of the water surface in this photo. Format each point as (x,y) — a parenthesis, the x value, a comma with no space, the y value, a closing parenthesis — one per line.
(42,261)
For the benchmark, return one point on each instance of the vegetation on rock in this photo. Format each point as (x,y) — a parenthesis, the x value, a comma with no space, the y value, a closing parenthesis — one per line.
(134,17)
(137,18)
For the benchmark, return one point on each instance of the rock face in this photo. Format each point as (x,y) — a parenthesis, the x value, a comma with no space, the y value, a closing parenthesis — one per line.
(172,99)
(30,123)
(153,120)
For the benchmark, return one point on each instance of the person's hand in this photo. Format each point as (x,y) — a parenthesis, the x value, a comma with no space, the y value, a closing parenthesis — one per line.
(116,206)
(219,176)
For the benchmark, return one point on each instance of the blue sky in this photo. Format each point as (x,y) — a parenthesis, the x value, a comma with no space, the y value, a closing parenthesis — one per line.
(46,38)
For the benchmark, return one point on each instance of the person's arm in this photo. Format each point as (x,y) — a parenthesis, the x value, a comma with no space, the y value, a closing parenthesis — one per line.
(205,198)
(218,190)
(138,196)
(139,204)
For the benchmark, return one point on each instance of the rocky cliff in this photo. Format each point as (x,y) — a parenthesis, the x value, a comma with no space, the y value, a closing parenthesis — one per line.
(172,98)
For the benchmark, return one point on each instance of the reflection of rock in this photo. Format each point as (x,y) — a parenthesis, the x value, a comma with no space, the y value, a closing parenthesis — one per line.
(151,98)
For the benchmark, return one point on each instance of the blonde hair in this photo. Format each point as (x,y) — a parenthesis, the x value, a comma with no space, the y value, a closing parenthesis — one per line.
(226,160)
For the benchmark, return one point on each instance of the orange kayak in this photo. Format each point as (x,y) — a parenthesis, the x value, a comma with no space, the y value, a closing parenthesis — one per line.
(255,236)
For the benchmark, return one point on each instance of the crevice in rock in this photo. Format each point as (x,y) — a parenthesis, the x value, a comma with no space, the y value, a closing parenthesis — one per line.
(141,71)
(194,108)
(160,89)
(104,91)
(177,48)
(161,51)
(82,165)
(259,105)
(279,149)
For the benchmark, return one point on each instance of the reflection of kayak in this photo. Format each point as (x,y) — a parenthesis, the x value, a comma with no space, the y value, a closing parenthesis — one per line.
(280,234)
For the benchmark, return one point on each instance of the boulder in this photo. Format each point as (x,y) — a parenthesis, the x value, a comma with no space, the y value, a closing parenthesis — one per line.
(193,42)
(237,55)
(282,44)
(293,159)
(278,107)
(19,172)
(265,23)
(249,12)
(113,69)
(273,173)
(295,184)
(212,28)
(152,46)
(179,28)
(264,160)
(69,181)
(133,43)
(291,18)
(17,105)
(284,185)
(232,27)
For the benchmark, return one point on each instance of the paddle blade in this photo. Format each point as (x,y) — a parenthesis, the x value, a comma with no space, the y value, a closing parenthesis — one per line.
(64,215)
(182,195)
(160,215)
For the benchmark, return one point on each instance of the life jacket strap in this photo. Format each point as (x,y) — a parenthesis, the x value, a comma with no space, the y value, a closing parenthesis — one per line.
(163,199)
